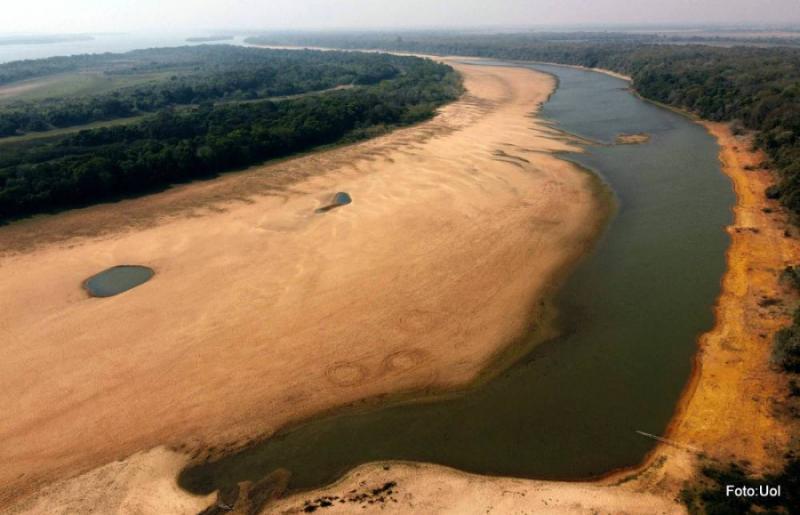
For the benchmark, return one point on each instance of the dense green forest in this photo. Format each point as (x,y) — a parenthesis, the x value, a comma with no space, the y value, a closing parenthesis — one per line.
(191,76)
(179,144)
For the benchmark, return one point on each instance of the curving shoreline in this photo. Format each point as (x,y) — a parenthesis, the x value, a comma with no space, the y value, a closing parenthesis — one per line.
(752,434)
(667,466)
(722,411)
(430,184)
(732,367)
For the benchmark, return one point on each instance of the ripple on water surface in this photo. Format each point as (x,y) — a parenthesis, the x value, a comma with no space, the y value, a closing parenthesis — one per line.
(118,279)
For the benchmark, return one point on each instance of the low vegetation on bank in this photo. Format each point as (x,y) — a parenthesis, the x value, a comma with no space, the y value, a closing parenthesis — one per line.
(786,347)
(708,495)
(180,142)
(786,350)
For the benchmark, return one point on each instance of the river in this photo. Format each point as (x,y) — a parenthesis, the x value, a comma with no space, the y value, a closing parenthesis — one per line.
(630,317)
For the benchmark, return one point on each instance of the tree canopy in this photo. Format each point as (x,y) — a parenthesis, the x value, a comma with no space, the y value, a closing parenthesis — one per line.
(180,142)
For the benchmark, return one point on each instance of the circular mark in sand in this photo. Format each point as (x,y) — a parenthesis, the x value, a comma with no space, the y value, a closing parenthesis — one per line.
(340,199)
(346,374)
(117,279)
(404,360)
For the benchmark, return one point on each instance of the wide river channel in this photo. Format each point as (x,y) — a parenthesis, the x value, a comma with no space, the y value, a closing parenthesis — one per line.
(630,317)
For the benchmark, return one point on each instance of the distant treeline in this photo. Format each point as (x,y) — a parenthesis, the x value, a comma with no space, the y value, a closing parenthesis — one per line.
(180,144)
(201,74)
(757,88)
(208,39)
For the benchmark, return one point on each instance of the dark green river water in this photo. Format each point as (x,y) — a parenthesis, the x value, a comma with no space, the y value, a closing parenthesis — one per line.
(630,317)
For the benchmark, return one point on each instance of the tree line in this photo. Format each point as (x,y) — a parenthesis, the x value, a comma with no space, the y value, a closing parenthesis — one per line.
(181,144)
(193,75)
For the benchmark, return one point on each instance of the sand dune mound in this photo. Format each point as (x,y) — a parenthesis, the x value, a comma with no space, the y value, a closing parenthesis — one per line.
(338,200)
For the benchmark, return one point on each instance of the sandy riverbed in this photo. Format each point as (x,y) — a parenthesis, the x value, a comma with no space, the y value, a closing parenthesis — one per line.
(262,312)
(732,367)
(730,411)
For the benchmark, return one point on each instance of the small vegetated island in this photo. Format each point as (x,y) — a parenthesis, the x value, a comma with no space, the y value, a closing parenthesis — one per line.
(181,113)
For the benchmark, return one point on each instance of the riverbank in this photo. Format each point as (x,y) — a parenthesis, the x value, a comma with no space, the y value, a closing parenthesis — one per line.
(709,419)
(730,410)
(263,312)
(753,306)
(732,407)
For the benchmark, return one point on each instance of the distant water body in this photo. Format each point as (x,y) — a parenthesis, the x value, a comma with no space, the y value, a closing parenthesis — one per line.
(113,43)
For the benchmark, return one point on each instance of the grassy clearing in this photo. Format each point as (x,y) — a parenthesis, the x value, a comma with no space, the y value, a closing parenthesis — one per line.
(75,84)
(56,133)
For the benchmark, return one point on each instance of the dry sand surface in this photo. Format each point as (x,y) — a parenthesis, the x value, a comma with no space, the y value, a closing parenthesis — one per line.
(430,489)
(144,484)
(731,410)
(262,312)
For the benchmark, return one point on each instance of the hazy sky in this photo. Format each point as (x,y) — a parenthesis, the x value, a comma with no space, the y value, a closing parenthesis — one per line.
(129,15)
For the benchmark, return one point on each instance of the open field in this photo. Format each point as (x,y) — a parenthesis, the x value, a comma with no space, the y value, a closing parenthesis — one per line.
(262,312)
(75,84)
(57,133)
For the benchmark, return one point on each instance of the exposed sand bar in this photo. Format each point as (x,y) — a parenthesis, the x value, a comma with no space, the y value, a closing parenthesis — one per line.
(431,489)
(262,312)
(730,410)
